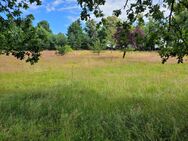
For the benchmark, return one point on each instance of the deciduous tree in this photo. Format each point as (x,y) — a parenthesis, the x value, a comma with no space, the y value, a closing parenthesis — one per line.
(170,45)
(17,35)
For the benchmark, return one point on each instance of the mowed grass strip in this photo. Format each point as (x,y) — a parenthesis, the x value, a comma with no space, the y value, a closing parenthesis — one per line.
(83,96)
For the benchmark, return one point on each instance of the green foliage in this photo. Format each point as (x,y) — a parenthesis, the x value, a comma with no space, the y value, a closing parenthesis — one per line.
(110,25)
(88,6)
(102,35)
(97,47)
(171,31)
(138,38)
(64,49)
(97,36)
(13,8)
(122,34)
(61,39)
(17,35)
(21,40)
(152,35)
(174,38)
(50,40)
(75,35)
(130,48)
(91,31)
(44,24)
(44,35)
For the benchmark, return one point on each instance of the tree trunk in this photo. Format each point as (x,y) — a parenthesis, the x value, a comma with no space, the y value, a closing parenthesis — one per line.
(124,53)
(98,53)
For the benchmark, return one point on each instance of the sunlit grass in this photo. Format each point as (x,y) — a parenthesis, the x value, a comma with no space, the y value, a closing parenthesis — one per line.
(83,96)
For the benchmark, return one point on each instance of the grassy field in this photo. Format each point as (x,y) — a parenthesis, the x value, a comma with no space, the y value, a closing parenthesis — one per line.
(85,97)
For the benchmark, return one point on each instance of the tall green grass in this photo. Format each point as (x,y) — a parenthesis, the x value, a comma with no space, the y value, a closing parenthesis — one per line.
(99,99)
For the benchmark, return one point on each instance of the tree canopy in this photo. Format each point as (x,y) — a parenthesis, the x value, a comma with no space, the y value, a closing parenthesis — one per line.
(17,35)
(20,38)
(44,24)
(75,35)
(173,37)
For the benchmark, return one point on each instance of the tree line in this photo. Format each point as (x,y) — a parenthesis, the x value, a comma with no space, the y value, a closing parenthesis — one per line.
(21,39)
(97,37)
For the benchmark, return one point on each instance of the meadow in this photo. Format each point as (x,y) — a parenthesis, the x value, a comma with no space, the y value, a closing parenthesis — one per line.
(83,96)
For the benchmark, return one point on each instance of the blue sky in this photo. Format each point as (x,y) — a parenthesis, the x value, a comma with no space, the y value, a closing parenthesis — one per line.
(59,13)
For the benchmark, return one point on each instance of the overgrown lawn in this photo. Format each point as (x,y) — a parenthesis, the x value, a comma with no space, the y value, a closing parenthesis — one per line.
(83,97)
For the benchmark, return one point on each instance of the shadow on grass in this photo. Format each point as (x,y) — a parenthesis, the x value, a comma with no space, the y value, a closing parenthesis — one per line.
(72,113)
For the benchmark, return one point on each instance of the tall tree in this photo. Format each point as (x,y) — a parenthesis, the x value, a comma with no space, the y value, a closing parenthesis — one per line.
(110,25)
(43,34)
(152,35)
(44,24)
(97,35)
(102,35)
(61,39)
(49,42)
(91,31)
(75,35)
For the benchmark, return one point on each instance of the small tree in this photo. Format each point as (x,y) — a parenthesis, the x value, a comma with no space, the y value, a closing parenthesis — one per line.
(61,39)
(126,37)
(136,38)
(121,37)
(64,49)
(97,47)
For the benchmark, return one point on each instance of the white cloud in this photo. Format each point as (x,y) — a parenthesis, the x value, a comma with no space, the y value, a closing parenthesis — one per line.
(52,6)
(57,2)
(68,8)
(71,1)
(34,6)
(73,18)
(111,5)
(61,5)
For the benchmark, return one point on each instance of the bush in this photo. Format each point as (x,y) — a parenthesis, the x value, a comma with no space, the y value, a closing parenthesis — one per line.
(97,47)
(64,49)
(130,48)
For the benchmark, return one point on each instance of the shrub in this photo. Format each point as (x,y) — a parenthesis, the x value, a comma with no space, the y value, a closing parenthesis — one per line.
(64,49)
(97,47)
(130,48)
